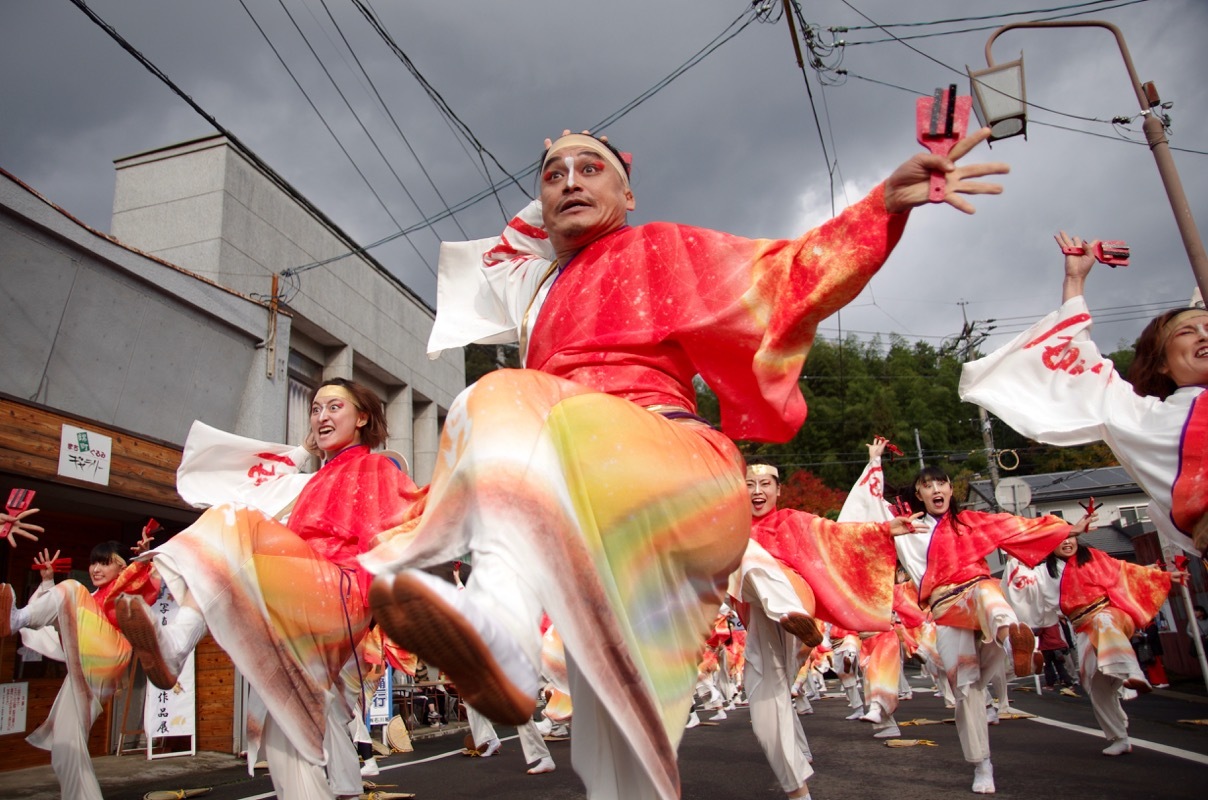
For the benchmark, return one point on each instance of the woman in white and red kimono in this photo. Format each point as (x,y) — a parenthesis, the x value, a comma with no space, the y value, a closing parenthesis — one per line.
(975,626)
(1051,384)
(88,642)
(798,566)
(288,604)
(881,659)
(1105,600)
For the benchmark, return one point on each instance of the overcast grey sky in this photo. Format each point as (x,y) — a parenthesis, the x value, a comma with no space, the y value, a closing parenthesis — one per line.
(730,144)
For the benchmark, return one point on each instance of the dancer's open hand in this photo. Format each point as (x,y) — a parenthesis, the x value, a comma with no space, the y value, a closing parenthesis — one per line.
(910,184)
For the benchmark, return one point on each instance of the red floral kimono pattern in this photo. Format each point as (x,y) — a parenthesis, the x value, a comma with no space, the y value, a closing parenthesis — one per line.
(1136,590)
(957,553)
(642,310)
(637,315)
(880,656)
(848,565)
(1189,498)
(1133,593)
(97,655)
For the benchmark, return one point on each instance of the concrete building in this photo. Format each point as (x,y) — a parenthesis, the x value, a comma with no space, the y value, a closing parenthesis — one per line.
(210,209)
(114,344)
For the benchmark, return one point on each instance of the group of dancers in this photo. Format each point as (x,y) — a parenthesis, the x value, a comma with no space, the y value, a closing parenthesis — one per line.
(944,606)
(586,491)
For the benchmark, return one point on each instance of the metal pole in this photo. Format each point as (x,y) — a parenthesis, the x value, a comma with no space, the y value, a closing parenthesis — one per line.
(1194,632)
(991,458)
(918,445)
(1155,136)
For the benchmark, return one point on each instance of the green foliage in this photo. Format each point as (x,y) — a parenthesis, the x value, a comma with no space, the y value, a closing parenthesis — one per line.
(862,389)
(1122,359)
(484,358)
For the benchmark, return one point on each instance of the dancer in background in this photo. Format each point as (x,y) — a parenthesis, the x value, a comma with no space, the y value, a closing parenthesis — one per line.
(793,559)
(975,626)
(287,604)
(881,659)
(88,642)
(1105,600)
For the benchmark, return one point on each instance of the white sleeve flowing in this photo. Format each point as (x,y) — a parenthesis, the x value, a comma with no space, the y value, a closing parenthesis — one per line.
(219,467)
(486,304)
(866,500)
(1052,384)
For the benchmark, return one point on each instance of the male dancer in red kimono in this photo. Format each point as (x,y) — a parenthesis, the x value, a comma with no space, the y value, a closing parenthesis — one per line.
(586,485)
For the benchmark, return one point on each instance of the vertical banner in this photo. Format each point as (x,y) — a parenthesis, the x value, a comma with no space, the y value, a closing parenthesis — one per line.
(14,701)
(170,712)
(379,707)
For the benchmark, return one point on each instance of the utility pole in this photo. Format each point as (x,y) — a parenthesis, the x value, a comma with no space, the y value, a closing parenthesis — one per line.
(968,335)
(918,445)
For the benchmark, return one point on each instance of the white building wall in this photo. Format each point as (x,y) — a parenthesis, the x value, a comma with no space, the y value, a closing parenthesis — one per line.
(96,330)
(203,205)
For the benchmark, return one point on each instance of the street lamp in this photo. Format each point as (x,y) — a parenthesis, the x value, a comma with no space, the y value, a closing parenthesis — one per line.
(1000,99)
(999,102)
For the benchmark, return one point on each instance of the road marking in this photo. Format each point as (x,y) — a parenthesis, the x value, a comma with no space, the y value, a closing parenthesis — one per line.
(1198,758)
(389,767)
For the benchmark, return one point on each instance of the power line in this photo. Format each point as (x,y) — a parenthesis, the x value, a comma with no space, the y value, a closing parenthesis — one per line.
(446,110)
(327,125)
(381,101)
(951,68)
(722,38)
(830,171)
(983,27)
(236,143)
(1121,139)
(970,19)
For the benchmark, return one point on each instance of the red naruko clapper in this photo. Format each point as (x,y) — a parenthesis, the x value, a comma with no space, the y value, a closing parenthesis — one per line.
(941,122)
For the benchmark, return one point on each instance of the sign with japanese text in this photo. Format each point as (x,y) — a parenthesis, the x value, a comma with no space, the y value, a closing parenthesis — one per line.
(14,702)
(379,706)
(85,455)
(170,712)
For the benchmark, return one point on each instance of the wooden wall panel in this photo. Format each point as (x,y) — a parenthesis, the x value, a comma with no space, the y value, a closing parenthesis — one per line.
(140,469)
(215,698)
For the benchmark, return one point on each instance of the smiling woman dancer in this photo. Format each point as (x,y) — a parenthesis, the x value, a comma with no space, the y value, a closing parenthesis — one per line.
(1051,384)
(88,642)
(287,603)
(586,485)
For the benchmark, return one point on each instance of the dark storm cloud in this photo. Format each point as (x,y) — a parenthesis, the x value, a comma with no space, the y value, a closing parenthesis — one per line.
(731,144)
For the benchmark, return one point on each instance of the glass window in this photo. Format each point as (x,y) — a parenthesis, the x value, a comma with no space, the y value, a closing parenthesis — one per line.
(1131,515)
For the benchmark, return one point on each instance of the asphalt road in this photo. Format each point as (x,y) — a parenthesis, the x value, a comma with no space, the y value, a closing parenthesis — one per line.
(1055,755)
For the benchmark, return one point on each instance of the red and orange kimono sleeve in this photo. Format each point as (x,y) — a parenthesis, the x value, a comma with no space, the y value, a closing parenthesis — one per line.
(1134,589)
(137,578)
(848,565)
(958,549)
(741,313)
(1030,539)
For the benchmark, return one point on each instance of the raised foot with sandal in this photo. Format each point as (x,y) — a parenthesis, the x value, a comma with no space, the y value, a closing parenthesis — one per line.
(431,618)
(135,622)
(1023,644)
(803,627)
